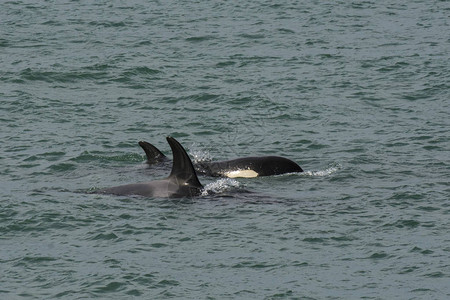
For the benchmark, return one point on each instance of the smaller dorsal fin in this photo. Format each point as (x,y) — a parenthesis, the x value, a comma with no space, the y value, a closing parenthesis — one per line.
(153,154)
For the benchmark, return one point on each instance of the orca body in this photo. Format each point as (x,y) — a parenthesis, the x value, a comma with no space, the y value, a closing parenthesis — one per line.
(246,167)
(182,181)
(249,167)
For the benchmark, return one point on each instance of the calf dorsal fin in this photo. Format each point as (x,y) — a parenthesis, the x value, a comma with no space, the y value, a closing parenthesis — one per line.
(153,154)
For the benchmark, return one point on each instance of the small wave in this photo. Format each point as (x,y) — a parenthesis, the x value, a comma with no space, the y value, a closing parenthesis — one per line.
(60,76)
(220,186)
(141,71)
(62,167)
(321,173)
(196,39)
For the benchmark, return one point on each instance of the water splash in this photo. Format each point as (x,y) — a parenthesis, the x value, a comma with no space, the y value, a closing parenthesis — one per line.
(321,173)
(220,186)
(200,156)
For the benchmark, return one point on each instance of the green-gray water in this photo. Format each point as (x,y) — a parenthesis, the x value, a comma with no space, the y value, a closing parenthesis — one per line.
(356,92)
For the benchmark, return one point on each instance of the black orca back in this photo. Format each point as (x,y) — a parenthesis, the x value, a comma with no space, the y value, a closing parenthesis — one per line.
(263,166)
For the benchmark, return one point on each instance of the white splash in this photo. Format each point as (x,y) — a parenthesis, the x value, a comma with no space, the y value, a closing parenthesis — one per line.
(200,156)
(322,173)
(220,186)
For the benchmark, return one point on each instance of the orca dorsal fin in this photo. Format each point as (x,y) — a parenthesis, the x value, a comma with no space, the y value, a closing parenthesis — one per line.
(182,169)
(153,154)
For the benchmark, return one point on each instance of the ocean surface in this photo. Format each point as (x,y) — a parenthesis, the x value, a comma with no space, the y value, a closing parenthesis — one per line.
(356,92)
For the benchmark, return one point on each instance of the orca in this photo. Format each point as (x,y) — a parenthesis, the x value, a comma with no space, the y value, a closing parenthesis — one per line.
(182,181)
(246,167)
(249,167)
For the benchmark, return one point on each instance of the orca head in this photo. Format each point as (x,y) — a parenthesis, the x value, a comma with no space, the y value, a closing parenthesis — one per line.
(275,165)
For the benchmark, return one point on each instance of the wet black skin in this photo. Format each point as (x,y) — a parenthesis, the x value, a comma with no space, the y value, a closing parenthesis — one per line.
(262,165)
